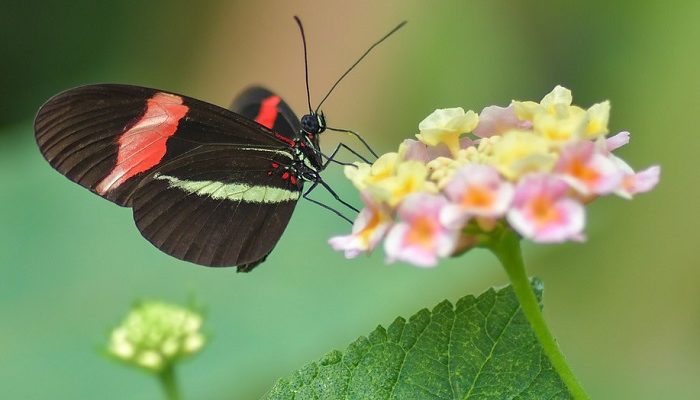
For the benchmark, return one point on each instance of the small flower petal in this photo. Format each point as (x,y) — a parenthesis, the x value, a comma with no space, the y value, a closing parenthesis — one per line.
(495,120)
(525,110)
(643,181)
(358,174)
(475,191)
(369,228)
(521,152)
(639,182)
(588,171)
(411,177)
(598,115)
(414,150)
(558,97)
(542,212)
(445,126)
(561,127)
(616,141)
(420,238)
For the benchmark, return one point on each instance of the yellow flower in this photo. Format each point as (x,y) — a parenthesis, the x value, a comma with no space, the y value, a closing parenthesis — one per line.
(555,102)
(389,179)
(598,116)
(558,121)
(362,174)
(525,110)
(521,152)
(562,126)
(411,177)
(445,126)
(357,174)
(384,167)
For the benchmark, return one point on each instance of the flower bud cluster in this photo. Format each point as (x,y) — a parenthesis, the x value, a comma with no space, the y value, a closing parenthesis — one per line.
(154,335)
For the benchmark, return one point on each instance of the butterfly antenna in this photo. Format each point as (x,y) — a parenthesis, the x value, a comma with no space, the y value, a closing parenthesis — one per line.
(399,26)
(306,62)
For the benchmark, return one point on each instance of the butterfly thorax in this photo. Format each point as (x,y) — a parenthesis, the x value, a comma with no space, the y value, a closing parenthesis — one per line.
(312,125)
(307,157)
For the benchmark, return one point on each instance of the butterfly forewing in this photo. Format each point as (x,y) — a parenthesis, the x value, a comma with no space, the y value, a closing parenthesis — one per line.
(107,138)
(219,205)
(206,184)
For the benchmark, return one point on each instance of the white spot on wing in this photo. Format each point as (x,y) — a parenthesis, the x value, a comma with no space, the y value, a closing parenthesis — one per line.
(231,191)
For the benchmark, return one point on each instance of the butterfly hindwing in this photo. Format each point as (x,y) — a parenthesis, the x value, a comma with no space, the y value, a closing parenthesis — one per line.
(108,137)
(219,205)
(269,110)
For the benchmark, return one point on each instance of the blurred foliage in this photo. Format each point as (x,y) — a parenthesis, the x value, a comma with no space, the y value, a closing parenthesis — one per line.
(624,306)
(57,44)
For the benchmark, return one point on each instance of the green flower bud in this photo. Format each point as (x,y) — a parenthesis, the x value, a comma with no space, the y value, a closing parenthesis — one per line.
(155,335)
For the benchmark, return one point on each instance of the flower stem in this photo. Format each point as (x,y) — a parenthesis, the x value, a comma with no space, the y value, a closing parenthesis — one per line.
(507,249)
(168,382)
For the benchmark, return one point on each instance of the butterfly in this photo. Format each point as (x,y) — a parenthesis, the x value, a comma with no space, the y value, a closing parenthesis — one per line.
(209,185)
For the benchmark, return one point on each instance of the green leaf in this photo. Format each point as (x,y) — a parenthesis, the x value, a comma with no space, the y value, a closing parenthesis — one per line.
(481,349)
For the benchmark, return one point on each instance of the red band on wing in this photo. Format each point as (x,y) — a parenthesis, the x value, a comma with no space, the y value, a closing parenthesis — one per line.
(285,139)
(142,146)
(268,112)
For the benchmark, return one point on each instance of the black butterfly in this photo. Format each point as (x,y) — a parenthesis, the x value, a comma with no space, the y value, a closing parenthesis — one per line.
(208,185)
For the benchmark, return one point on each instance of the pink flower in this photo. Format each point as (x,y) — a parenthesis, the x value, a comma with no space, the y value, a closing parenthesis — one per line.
(636,182)
(414,150)
(475,190)
(420,238)
(528,168)
(615,142)
(542,212)
(369,228)
(495,120)
(587,170)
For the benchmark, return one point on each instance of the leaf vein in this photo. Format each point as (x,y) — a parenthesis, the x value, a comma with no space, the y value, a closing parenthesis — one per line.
(493,347)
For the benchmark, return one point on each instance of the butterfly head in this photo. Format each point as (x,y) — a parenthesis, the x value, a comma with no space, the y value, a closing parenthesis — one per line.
(313,123)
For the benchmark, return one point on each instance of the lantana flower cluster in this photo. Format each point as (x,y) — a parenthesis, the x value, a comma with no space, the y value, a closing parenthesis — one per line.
(530,167)
(155,335)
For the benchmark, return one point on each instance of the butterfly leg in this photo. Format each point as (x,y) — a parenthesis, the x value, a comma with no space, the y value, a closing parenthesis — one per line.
(335,196)
(331,158)
(327,207)
(358,136)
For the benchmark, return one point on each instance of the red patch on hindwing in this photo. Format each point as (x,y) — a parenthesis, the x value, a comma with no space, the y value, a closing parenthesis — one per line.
(143,145)
(268,112)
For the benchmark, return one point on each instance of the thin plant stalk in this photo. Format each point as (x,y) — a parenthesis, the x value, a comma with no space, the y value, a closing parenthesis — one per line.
(168,382)
(506,247)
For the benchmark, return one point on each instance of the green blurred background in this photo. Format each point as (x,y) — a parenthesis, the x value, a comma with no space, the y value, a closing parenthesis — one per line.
(625,305)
